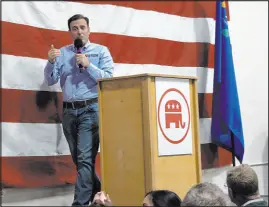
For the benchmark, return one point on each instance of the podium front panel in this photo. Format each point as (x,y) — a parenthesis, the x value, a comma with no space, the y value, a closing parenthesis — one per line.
(131,161)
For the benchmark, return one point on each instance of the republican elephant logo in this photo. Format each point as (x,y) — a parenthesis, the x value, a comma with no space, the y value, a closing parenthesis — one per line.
(173,114)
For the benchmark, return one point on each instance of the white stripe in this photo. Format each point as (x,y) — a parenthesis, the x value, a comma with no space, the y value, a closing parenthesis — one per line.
(111,19)
(27,73)
(28,139)
(24,139)
(205,130)
(205,75)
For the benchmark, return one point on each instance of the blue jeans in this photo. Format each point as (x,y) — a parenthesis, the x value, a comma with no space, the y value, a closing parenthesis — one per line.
(81,129)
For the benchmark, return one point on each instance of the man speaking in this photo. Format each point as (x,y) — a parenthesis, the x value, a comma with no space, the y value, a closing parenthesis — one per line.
(78,66)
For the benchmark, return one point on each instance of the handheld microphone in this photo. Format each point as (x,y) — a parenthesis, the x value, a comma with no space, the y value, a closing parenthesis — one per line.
(79,44)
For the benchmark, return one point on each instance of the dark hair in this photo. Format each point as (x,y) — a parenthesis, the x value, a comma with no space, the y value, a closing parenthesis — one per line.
(76,17)
(96,204)
(162,198)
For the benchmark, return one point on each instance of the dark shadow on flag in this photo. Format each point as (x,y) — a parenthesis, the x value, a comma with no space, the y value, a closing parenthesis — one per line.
(43,99)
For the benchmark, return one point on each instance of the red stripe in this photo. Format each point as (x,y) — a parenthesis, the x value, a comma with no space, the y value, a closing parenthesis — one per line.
(213,156)
(39,171)
(39,106)
(193,9)
(205,105)
(124,49)
(228,10)
(30,106)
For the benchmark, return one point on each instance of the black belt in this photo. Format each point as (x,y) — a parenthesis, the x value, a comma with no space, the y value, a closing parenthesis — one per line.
(79,104)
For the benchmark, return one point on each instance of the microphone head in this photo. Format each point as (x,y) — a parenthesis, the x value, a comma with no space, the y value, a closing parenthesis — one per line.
(78,43)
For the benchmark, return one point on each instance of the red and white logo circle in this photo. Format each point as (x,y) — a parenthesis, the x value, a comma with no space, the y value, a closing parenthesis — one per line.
(174,116)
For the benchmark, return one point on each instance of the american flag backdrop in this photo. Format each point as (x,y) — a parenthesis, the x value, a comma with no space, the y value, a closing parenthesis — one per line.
(172,37)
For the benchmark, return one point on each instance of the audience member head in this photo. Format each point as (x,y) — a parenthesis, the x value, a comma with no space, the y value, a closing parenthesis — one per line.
(161,198)
(101,199)
(242,183)
(205,194)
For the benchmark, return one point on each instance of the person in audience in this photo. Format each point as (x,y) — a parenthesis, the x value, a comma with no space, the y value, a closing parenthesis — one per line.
(161,198)
(156,198)
(242,183)
(101,199)
(205,194)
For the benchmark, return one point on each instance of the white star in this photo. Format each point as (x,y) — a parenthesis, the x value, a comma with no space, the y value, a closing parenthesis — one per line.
(173,106)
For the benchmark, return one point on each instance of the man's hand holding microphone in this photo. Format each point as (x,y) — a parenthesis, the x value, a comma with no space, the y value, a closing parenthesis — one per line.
(83,60)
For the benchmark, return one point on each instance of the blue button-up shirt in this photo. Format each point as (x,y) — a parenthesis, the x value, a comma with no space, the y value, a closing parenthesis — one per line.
(78,85)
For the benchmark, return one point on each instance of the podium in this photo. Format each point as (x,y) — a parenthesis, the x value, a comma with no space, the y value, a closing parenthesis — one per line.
(149,136)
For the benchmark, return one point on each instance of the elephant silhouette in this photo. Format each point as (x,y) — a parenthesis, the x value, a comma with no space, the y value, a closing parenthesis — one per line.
(173,114)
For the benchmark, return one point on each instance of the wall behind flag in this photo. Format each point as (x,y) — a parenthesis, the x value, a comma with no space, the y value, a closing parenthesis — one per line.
(251,68)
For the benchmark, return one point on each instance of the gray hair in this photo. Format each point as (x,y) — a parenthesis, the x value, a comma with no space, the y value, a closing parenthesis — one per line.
(205,194)
(243,180)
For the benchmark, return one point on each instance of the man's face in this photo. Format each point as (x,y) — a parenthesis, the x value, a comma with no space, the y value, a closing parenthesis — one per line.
(80,29)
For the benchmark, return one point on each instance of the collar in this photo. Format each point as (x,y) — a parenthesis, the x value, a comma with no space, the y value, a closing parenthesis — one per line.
(87,44)
(252,201)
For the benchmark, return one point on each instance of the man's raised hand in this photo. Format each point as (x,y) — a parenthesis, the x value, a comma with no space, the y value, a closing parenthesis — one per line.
(53,53)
